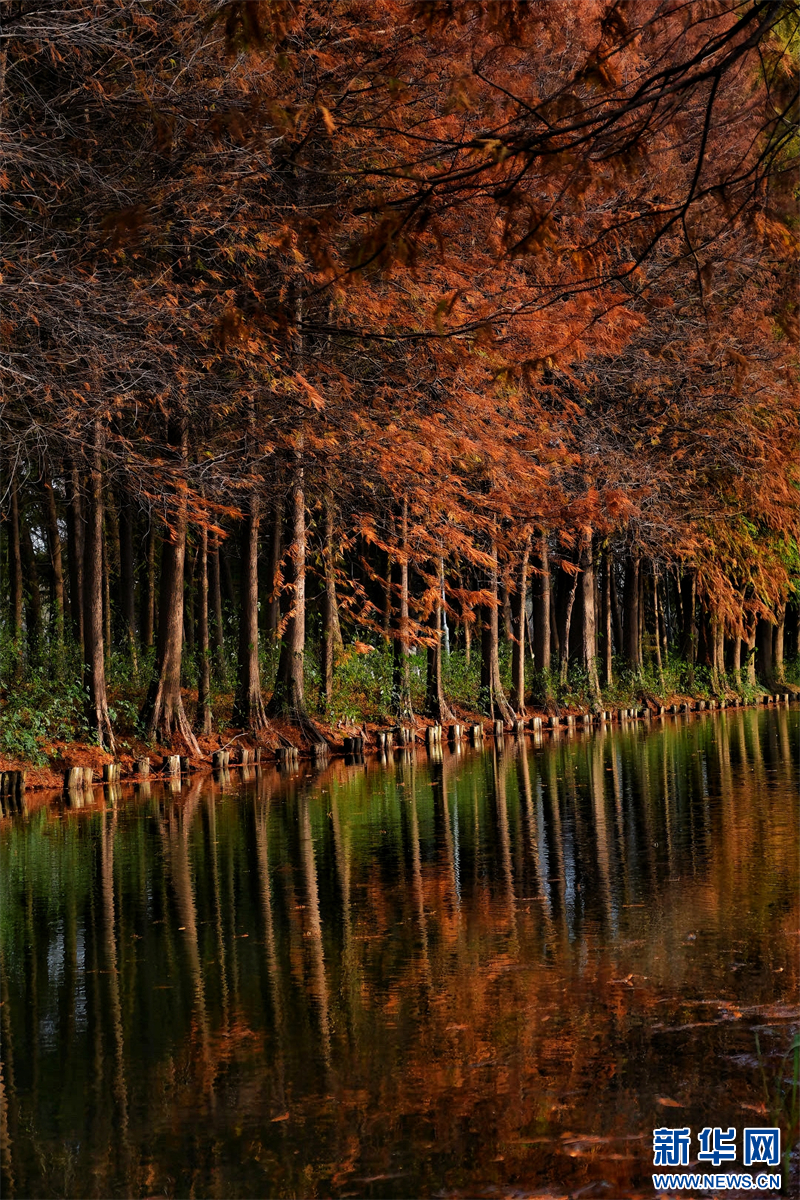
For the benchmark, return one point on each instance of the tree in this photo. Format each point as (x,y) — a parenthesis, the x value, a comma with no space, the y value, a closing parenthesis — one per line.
(163,712)
(454,311)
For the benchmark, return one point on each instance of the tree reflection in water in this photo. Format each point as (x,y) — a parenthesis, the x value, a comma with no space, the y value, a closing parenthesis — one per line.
(488,970)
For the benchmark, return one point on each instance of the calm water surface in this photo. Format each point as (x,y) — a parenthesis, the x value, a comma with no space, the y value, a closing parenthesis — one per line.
(491,975)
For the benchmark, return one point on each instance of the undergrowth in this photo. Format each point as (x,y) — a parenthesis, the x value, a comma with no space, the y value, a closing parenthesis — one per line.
(46,702)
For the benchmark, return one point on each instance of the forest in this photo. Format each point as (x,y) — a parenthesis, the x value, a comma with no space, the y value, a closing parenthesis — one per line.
(369,359)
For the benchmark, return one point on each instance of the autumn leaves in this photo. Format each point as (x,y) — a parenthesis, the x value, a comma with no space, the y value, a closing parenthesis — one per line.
(420,293)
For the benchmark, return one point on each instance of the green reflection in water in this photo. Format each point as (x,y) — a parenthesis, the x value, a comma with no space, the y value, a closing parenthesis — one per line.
(498,970)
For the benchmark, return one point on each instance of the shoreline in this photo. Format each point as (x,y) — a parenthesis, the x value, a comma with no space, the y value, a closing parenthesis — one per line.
(284,741)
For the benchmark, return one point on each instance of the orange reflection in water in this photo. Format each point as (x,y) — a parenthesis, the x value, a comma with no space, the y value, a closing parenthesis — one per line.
(490,974)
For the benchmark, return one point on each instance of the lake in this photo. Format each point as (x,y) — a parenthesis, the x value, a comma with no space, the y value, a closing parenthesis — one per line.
(494,974)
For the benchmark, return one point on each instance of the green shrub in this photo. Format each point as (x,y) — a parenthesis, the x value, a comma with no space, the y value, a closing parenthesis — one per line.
(43,705)
(792,670)
(362,685)
(461,680)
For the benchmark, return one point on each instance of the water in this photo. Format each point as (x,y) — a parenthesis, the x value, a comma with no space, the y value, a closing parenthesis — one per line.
(493,975)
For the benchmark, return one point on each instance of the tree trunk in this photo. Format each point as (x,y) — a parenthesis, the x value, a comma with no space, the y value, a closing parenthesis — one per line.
(387,599)
(541,609)
(777,643)
(15,575)
(204,655)
(750,642)
(275,581)
(331,631)
(642,609)
(717,654)
(464,625)
(564,670)
(106,596)
(704,639)
(792,631)
(149,589)
(56,565)
(15,563)
(435,703)
(555,636)
(658,622)
(289,694)
(248,708)
(616,607)
(189,568)
(215,609)
(127,580)
(33,620)
(688,618)
(163,713)
(495,702)
(519,612)
(589,638)
(633,645)
(75,555)
(736,660)
(765,651)
(401,666)
(505,602)
(111,543)
(225,576)
(484,615)
(608,647)
(94,656)
(662,619)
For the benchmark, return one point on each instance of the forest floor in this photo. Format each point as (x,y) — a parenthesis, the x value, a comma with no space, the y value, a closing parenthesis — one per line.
(61,755)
